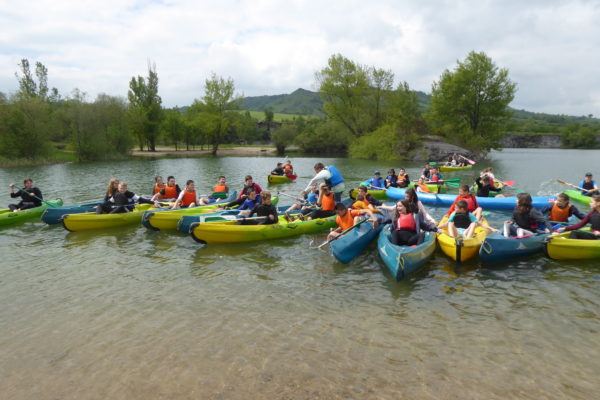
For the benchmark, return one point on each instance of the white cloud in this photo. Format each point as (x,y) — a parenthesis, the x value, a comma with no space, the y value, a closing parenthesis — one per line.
(271,47)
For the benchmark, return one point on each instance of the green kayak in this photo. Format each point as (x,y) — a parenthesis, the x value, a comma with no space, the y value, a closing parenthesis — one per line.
(578,196)
(8,217)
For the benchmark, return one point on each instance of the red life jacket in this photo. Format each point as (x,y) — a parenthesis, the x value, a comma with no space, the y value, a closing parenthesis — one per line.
(406,222)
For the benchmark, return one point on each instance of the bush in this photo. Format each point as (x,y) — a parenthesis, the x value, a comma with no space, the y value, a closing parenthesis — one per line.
(324,137)
(387,143)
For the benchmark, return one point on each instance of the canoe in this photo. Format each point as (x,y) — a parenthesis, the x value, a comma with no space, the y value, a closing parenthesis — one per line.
(446,168)
(487,203)
(404,260)
(8,217)
(578,196)
(230,232)
(461,249)
(562,247)
(91,220)
(349,246)
(497,247)
(281,178)
(52,216)
(379,194)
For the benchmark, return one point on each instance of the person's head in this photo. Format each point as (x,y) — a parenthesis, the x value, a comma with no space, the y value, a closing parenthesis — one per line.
(340,209)
(595,202)
(189,185)
(435,170)
(171,181)
(401,171)
(279,165)
(450,158)
(588,177)
(411,196)
(265,197)
(421,180)
(391,172)
(360,197)
(251,193)
(427,165)
(524,203)
(486,179)
(113,186)
(313,189)
(159,180)
(122,187)
(562,200)
(362,189)
(319,167)
(462,207)
(489,169)
(28,183)
(402,207)
(221,180)
(248,180)
(463,190)
(377,174)
(288,162)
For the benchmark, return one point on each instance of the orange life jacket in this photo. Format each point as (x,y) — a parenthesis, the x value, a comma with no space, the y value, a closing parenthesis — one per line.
(327,202)
(170,192)
(558,214)
(406,221)
(158,188)
(188,197)
(424,188)
(347,220)
(287,168)
(220,188)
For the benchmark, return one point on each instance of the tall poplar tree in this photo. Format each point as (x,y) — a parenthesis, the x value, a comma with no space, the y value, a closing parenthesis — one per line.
(145,108)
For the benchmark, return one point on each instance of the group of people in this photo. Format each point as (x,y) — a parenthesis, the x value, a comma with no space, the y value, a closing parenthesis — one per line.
(283,169)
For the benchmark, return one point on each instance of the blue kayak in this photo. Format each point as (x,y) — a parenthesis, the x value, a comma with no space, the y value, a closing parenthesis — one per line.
(53,216)
(487,203)
(404,260)
(497,247)
(349,246)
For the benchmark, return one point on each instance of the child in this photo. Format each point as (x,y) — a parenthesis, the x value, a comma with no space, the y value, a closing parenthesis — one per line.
(435,176)
(392,179)
(462,223)
(122,201)
(376,181)
(263,209)
(188,197)
(251,200)
(489,171)
(219,191)
(326,201)
(592,218)
(278,170)
(472,206)
(361,203)
(287,168)
(368,199)
(426,171)
(406,225)
(484,187)
(526,219)
(169,191)
(561,210)
(403,178)
(421,186)
(415,206)
(248,183)
(347,218)
(158,184)
(589,185)
(308,203)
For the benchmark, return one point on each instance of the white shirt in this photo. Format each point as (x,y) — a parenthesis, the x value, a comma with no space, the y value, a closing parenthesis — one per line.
(321,177)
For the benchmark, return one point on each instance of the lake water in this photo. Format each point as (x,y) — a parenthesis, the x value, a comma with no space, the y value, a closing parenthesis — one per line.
(135,314)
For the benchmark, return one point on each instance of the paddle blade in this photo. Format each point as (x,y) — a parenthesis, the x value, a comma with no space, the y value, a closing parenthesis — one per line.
(509,183)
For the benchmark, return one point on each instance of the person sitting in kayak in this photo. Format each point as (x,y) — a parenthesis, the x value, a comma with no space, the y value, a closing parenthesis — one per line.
(589,185)
(188,197)
(426,171)
(327,203)
(331,176)
(31,196)
(309,202)
(421,186)
(472,206)
(169,191)
(263,209)
(489,171)
(346,218)
(462,223)
(392,179)
(435,176)
(278,170)
(561,209)
(219,191)
(451,162)
(376,181)
(592,218)
(159,184)
(248,183)
(403,178)
(287,168)
(122,201)
(407,226)
(252,200)
(526,219)
(362,203)
(415,206)
(106,207)
(484,187)
(369,200)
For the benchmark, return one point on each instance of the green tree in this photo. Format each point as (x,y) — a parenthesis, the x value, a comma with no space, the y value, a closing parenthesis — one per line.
(173,127)
(219,99)
(470,104)
(145,108)
(579,136)
(324,136)
(284,136)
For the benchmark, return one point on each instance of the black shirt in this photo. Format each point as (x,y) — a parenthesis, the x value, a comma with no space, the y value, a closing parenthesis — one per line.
(23,194)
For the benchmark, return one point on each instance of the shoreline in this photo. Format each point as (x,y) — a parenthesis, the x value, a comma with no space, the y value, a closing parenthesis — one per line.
(232,151)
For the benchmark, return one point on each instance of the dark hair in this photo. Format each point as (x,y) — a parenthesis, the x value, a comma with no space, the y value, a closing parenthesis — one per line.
(464,188)
(563,196)
(524,203)
(340,207)
(156,178)
(392,172)
(222,176)
(188,182)
(319,166)
(406,205)
(596,198)
(486,179)
(363,188)
(411,196)
(588,174)
(250,189)
(278,164)
(462,204)
(248,177)
(27,180)
(170,177)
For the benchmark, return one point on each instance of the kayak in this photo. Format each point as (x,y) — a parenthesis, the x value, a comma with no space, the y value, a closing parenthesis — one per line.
(281,178)
(460,249)
(52,216)
(497,247)
(378,194)
(404,260)
(230,232)
(8,217)
(381,194)
(349,246)
(578,196)
(562,247)
(91,220)
(447,168)
(487,203)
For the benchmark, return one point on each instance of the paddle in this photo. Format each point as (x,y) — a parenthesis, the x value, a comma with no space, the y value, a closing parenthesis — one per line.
(40,199)
(341,234)
(467,160)
(572,185)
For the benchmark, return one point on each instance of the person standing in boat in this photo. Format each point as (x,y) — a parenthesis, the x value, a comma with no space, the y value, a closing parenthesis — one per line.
(30,196)
(329,175)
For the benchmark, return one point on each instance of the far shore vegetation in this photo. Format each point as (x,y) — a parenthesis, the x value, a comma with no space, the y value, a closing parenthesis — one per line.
(359,111)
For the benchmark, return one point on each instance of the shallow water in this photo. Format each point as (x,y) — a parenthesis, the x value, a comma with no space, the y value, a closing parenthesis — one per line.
(134,314)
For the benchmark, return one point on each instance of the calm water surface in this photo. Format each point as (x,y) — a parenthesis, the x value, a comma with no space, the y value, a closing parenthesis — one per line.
(134,314)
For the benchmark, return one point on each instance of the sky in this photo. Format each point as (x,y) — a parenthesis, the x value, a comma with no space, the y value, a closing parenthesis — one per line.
(551,48)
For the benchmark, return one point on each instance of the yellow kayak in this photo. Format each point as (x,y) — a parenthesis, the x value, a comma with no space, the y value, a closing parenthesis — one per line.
(90,220)
(562,247)
(447,168)
(230,232)
(461,249)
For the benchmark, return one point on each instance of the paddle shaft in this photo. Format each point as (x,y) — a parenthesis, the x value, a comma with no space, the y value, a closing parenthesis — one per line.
(342,233)
(32,195)
(572,185)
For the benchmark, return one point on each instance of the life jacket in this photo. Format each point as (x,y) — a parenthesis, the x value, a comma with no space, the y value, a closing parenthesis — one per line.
(220,188)
(378,183)
(559,214)
(406,222)
(336,177)
(158,188)
(471,202)
(345,221)
(434,178)
(170,192)
(424,187)
(462,220)
(587,185)
(188,197)
(360,205)
(287,168)
(328,202)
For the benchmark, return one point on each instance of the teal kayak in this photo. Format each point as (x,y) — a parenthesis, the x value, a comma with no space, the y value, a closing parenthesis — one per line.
(404,260)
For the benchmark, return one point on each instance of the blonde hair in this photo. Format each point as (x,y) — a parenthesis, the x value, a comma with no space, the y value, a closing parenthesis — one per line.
(265,195)
(110,189)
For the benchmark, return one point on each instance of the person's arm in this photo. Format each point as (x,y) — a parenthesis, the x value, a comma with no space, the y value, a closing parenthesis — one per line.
(373,200)
(424,213)
(486,226)
(178,201)
(37,192)
(370,214)
(272,213)
(323,174)
(546,210)
(386,207)
(578,225)
(539,219)
(576,212)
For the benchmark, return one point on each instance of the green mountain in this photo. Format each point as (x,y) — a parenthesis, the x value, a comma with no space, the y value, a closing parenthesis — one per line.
(300,102)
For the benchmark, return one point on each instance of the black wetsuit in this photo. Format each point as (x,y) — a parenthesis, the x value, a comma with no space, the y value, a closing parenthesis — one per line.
(483,189)
(121,203)
(27,201)
(278,171)
(261,210)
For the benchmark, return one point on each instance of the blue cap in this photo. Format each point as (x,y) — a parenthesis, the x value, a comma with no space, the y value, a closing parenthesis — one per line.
(377,173)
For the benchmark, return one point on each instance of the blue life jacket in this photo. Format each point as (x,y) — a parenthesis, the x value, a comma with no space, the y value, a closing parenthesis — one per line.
(376,182)
(585,185)
(336,177)
(311,198)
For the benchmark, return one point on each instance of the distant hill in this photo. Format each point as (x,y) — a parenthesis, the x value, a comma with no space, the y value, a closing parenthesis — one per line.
(299,102)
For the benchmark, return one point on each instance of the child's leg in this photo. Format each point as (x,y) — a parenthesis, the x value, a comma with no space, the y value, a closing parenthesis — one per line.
(452,231)
(293,207)
(506,230)
(470,231)
(478,213)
